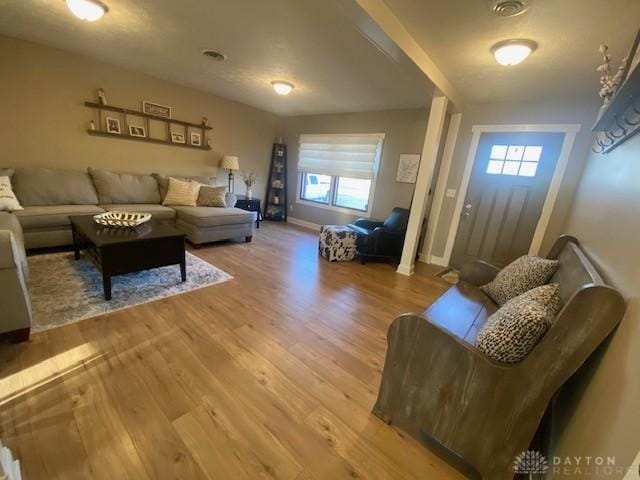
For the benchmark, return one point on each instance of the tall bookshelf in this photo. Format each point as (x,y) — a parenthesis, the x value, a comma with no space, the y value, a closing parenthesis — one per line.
(275,207)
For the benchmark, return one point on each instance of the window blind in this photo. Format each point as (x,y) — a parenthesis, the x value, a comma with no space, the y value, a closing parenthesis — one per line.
(354,156)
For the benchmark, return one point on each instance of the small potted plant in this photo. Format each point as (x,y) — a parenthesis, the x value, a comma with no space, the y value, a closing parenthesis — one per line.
(249,179)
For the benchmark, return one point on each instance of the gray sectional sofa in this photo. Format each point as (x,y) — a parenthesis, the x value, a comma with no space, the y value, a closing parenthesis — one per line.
(50,196)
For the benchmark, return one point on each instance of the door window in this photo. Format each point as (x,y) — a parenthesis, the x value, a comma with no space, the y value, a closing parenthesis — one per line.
(515,160)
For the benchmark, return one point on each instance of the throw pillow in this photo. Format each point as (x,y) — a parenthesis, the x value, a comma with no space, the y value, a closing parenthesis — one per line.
(181,193)
(8,200)
(163,182)
(519,276)
(513,331)
(212,196)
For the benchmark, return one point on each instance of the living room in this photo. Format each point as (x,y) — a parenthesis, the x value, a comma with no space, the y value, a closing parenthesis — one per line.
(279,239)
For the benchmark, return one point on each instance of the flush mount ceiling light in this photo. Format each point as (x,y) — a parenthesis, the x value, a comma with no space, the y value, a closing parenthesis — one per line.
(282,88)
(90,10)
(512,52)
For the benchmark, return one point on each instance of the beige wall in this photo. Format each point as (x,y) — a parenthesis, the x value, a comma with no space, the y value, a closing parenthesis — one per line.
(44,120)
(404,133)
(602,404)
(519,113)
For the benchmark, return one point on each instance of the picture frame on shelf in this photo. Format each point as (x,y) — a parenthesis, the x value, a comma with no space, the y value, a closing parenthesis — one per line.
(156,109)
(113,125)
(137,131)
(177,137)
(196,139)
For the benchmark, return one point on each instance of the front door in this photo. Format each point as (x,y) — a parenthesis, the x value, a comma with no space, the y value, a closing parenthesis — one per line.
(508,186)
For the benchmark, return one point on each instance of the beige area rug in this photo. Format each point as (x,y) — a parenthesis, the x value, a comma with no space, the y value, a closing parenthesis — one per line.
(64,290)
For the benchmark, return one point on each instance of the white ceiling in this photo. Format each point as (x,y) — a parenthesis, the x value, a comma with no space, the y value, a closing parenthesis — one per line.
(318,45)
(339,60)
(458,34)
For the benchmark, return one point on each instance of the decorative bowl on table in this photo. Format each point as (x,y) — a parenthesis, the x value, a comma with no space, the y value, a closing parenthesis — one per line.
(122,219)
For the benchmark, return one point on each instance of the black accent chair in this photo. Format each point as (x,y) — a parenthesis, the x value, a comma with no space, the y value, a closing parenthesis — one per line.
(381,239)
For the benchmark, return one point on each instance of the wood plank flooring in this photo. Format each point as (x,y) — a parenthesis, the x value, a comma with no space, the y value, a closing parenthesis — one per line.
(271,375)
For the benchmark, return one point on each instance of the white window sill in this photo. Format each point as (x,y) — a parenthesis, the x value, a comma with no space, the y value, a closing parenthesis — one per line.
(324,206)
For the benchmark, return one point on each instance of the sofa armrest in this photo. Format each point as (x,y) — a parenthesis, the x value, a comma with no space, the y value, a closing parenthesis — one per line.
(14,296)
(478,273)
(230,199)
(367,224)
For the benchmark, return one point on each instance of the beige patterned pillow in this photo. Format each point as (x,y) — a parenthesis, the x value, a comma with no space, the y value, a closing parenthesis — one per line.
(520,276)
(513,331)
(181,193)
(212,196)
(8,200)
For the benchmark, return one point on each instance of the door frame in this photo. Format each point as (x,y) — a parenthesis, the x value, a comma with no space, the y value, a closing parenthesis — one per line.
(570,132)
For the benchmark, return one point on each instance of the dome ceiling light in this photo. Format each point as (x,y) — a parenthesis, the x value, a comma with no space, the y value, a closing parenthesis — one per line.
(90,10)
(281,87)
(512,52)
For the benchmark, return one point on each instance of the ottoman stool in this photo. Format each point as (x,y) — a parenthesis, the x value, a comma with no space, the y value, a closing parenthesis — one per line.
(337,243)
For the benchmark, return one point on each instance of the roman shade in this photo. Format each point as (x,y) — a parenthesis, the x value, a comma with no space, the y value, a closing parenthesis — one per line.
(350,155)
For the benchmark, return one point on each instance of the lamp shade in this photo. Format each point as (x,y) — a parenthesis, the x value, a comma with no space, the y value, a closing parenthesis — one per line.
(230,162)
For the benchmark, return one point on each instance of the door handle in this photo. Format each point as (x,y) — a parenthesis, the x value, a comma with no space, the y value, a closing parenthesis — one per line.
(467,210)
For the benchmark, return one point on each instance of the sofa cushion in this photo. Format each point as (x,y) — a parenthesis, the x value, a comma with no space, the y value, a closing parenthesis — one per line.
(519,276)
(214,216)
(163,181)
(53,216)
(212,196)
(8,200)
(41,186)
(159,212)
(116,187)
(514,330)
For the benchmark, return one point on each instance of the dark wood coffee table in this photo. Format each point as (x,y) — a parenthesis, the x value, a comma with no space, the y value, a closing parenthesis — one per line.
(116,251)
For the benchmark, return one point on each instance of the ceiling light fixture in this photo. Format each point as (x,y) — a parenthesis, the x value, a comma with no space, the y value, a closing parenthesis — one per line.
(90,10)
(512,52)
(282,88)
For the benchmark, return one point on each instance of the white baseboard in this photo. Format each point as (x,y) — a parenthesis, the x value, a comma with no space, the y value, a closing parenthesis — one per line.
(433,260)
(404,270)
(303,223)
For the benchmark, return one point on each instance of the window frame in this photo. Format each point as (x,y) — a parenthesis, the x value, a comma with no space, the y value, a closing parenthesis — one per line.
(333,191)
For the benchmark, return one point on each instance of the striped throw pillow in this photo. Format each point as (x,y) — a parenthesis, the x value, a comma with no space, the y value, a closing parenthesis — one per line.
(182,193)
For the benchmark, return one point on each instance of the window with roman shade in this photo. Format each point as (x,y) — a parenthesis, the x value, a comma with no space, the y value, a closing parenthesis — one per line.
(338,171)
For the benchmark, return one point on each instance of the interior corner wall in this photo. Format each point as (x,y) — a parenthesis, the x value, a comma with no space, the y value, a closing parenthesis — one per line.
(44,119)
(520,113)
(404,133)
(600,406)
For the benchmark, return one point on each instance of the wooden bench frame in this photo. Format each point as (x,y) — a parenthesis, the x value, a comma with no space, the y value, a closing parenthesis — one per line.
(441,390)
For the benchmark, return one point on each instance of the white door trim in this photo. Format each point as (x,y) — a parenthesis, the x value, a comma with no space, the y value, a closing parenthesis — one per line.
(440,189)
(570,131)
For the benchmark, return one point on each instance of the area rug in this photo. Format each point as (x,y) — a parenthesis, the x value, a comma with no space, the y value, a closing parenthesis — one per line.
(449,275)
(64,290)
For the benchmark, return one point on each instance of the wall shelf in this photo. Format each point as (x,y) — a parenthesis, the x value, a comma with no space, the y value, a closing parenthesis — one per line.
(100,133)
(620,120)
(125,112)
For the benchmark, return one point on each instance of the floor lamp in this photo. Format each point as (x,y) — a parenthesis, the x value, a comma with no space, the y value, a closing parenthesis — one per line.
(231,163)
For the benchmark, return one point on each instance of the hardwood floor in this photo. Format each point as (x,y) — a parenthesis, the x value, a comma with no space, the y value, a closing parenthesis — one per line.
(271,375)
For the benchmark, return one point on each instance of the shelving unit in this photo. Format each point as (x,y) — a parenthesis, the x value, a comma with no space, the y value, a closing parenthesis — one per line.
(125,113)
(275,207)
(620,120)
